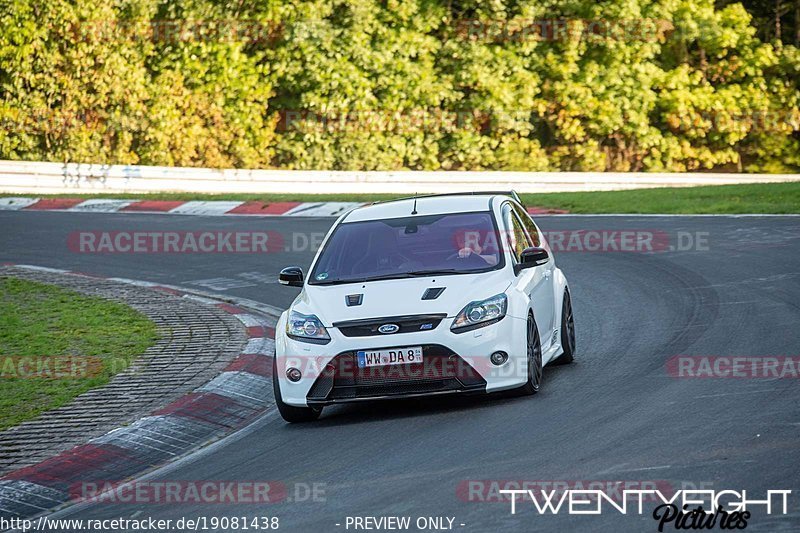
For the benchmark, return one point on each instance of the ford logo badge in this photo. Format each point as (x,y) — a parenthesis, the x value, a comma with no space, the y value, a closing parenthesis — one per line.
(389,328)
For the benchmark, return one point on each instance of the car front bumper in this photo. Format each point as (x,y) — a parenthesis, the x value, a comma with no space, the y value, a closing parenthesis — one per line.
(453,363)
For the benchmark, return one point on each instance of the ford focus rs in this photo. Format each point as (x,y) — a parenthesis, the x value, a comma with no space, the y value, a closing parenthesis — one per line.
(431,295)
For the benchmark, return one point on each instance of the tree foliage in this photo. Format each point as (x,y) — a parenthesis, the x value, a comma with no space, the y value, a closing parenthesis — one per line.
(622,85)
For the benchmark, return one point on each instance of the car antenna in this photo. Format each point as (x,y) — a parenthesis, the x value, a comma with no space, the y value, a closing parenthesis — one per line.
(414,211)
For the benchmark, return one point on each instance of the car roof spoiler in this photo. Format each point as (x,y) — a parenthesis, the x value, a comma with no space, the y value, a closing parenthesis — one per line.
(511,193)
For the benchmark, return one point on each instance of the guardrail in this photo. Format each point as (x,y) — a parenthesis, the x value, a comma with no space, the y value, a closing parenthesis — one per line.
(58,178)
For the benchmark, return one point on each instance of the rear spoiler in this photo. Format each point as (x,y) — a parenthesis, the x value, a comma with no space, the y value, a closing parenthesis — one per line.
(511,193)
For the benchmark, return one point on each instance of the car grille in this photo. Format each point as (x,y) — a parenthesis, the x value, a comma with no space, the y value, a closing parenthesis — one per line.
(442,370)
(407,324)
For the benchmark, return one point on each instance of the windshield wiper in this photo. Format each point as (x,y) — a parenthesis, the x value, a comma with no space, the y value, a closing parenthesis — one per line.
(434,272)
(396,275)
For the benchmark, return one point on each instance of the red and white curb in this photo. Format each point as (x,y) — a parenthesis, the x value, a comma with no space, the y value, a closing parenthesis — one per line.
(230,401)
(211,208)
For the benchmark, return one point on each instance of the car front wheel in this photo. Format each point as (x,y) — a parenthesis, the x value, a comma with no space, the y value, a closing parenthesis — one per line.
(534,359)
(567,331)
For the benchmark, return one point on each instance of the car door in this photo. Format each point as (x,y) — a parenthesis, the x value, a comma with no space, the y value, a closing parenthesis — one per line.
(536,282)
(548,295)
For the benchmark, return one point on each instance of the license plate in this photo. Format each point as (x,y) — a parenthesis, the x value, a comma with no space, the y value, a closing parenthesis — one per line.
(394,356)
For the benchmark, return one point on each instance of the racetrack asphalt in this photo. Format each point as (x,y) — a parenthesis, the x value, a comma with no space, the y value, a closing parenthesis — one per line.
(615,414)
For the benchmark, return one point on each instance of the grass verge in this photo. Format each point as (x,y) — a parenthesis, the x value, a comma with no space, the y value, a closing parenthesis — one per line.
(56,344)
(775,198)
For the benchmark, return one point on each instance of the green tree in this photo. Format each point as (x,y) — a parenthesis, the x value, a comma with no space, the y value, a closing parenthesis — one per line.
(621,85)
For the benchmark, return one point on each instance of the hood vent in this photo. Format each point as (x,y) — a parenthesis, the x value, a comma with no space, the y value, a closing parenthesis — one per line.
(433,293)
(353,299)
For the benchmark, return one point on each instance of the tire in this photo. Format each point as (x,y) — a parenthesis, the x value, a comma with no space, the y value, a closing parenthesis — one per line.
(567,332)
(291,413)
(535,367)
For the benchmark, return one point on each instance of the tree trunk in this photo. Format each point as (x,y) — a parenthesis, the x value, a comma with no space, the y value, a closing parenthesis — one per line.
(797,22)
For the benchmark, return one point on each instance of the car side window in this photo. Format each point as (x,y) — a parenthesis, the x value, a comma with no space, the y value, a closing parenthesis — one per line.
(529,226)
(516,236)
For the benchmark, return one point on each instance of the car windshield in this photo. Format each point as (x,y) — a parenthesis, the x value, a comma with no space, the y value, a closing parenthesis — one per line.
(408,247)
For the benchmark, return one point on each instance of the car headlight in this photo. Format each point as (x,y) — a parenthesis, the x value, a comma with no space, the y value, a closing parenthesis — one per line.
(479,314)
(306,328)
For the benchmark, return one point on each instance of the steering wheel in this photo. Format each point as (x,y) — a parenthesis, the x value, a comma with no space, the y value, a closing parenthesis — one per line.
(472,260)
(396,260)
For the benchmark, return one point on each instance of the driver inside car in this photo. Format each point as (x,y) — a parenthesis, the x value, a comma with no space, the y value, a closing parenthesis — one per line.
(469,246)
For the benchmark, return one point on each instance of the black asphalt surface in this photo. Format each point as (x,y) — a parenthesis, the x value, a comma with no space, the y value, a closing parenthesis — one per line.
(615,414)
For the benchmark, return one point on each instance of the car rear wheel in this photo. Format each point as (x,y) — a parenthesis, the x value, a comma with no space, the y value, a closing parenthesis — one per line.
(291,413)
(535,367)
(567,332)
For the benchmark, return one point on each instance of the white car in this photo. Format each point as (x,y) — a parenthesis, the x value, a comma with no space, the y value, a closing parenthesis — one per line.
(429,295)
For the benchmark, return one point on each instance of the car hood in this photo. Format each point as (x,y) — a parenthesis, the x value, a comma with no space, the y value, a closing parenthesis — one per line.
(398,297)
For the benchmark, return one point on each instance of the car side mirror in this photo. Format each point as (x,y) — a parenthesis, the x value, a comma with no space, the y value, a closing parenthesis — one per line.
(531,257)
(291,276)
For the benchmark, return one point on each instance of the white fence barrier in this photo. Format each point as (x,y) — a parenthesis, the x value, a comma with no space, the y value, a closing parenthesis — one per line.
(56,178)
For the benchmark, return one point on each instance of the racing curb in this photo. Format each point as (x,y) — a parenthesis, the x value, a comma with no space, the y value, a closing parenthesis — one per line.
(228,402)
(208,208)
